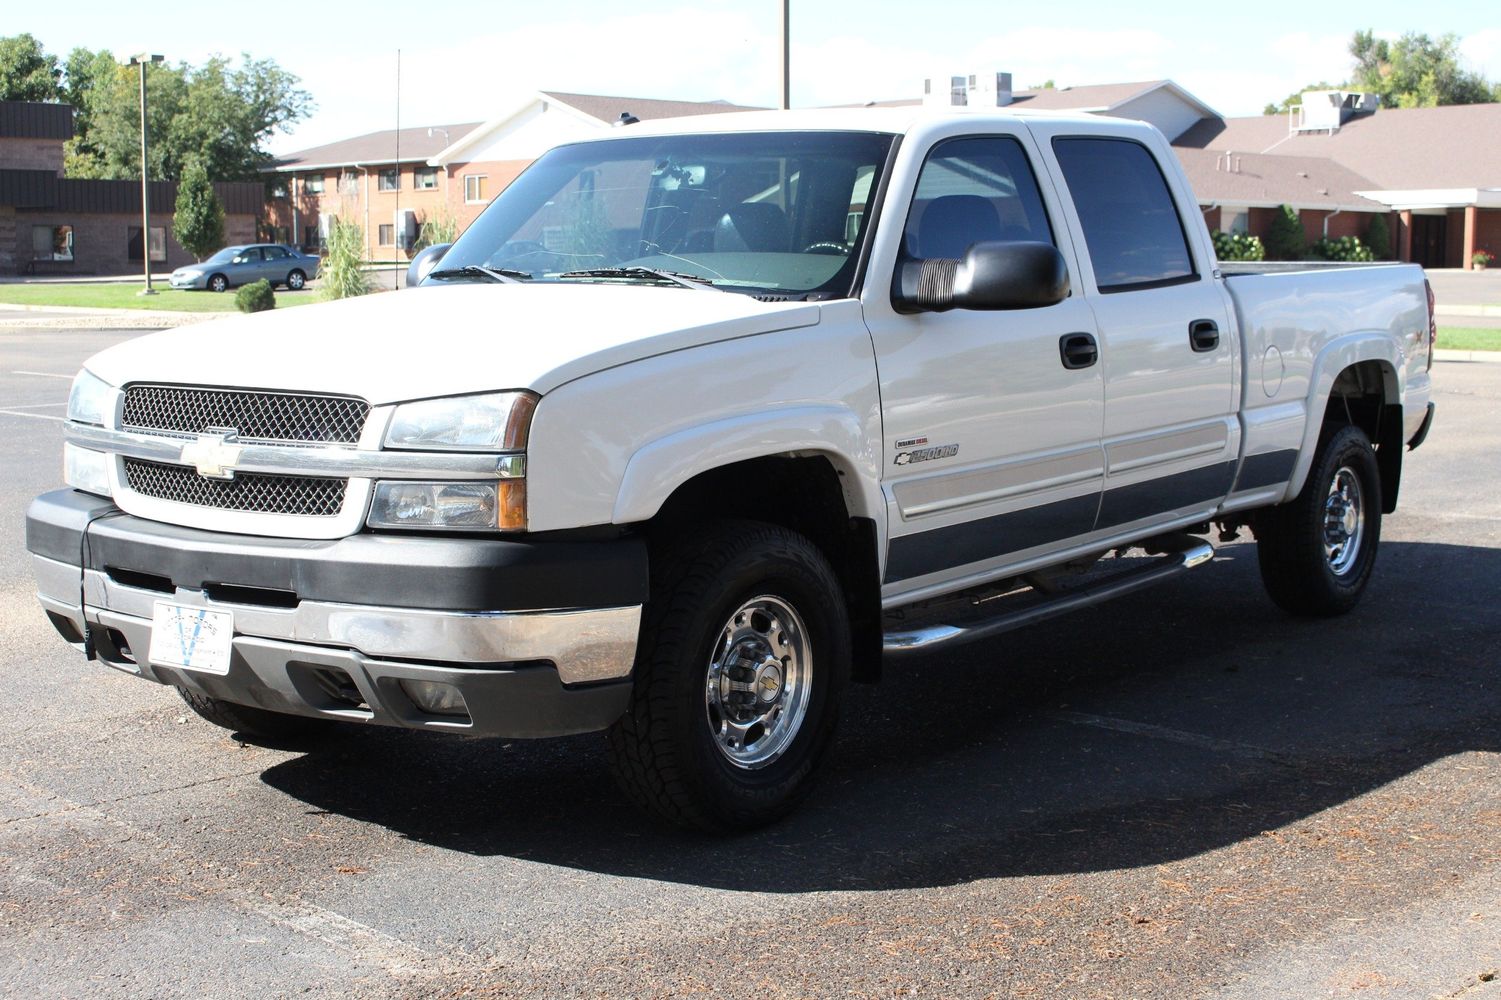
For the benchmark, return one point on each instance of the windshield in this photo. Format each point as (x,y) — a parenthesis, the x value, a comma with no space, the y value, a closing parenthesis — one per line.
(224,256)
(767,212)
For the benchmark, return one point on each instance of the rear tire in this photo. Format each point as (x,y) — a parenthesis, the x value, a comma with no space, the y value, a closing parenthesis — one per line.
(295,281)
(745,649)
(255,722)
(1317,551)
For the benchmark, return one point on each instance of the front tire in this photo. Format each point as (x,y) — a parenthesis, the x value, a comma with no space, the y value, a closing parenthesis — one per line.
(218,283)
(745,649)
(1317,551)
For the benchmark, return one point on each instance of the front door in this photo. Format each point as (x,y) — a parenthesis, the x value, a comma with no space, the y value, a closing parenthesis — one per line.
(1430,240)
(991,444)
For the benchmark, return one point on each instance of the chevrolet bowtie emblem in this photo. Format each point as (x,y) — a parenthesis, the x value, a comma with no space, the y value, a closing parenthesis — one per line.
(214,453)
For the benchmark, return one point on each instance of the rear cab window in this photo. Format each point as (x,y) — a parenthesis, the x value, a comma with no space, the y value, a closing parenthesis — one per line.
(1132,230)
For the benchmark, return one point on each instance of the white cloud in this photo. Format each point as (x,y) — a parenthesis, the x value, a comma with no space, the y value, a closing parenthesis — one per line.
(1482,51)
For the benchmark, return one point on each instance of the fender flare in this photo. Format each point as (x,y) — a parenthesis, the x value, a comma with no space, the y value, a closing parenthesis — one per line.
(658,468)
(1336,356)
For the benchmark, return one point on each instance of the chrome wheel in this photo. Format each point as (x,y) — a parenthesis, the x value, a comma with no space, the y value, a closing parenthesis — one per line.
(759,682)
(1344,521)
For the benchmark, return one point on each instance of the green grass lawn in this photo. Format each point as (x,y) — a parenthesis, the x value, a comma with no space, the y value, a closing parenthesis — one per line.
(123,296)
(1460,338)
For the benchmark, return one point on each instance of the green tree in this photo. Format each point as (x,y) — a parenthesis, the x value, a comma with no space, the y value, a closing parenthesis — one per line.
(1378,237)
(198,222)
(220,112)
(1284,238)
(27,72)
(1415,71)
(86,75)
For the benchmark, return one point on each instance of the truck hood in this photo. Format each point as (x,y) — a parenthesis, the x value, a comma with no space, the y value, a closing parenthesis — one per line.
(446,340)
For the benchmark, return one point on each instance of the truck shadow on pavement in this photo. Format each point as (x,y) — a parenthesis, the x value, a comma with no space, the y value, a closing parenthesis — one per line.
(1170,723)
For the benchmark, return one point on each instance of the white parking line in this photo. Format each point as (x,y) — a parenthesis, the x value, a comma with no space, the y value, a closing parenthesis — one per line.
(34,416)
(34,406)
(42,374)
(359,941)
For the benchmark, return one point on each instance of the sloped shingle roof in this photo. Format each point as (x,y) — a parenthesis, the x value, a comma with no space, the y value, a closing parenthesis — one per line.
(1458,146)
(375,147)
(1255,179)
(608,109)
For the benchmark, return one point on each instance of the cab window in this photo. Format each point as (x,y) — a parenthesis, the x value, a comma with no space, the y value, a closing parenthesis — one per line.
(974,190)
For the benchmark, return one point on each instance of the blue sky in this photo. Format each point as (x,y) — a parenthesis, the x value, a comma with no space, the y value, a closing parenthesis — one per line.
(464,62)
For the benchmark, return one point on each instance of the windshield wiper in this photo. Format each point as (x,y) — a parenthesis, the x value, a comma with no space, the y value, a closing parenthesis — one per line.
(504,275)
(637,271)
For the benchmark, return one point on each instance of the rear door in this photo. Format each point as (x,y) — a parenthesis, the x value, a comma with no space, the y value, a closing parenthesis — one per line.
(1167,339)
(991,444)
(277,265)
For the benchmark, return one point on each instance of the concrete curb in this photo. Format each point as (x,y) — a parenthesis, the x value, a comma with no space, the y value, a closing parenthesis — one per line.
(1478,357)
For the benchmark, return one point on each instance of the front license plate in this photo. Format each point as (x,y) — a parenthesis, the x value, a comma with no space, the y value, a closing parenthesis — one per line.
(192,638)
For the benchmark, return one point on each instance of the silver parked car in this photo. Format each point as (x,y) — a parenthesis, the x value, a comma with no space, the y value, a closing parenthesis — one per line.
(240,265)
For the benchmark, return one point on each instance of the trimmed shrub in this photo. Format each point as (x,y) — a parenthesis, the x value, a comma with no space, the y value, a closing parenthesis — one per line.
(255,297)
(1379,237)
(1284,238)
(342,270)
(1238,246)
(1346,249)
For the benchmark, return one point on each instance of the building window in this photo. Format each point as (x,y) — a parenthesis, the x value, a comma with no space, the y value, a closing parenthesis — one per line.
(313,184)
(51,242)
(158,243)
(390,180)
(279,189)
(1232,221)
(425,178)
(385,235)
(474,188)
(312,238)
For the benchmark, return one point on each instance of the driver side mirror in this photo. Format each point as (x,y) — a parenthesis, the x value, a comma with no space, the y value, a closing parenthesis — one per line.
(424,262)
(992,276)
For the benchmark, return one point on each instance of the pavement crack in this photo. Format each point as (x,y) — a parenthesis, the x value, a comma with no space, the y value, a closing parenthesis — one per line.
(73,807)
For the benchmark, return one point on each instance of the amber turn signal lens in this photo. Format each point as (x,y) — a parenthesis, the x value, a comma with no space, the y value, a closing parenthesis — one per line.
(511,510)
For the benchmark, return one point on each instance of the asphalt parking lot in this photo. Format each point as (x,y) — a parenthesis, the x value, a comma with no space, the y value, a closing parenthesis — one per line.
(1181,794)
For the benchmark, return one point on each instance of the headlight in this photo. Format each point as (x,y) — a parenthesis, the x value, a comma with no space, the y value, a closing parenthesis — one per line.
(189,274)
(89,399)
(493,422)
(86,469)
(461,506)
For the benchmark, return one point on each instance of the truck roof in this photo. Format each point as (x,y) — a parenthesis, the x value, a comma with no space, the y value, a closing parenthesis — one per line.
(892,120)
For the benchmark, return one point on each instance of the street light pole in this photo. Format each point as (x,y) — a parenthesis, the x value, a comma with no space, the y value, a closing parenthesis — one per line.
(786,54)
(141,60)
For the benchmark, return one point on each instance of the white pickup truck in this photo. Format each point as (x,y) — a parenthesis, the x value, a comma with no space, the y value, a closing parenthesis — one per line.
(701,420)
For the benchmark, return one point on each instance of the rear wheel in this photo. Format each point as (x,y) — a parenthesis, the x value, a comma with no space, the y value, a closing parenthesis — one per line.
(296,280)
(255,722)
(745,649)
(1317,551)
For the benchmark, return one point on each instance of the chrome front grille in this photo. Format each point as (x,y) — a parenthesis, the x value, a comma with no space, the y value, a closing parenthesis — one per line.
(272,417)
(248,491)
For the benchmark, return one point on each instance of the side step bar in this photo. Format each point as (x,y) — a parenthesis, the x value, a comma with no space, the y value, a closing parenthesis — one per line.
(931,637)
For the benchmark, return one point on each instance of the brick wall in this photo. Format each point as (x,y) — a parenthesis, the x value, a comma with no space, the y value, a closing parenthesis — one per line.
(498,174)
(1487,232)
(31,154)
(101,243)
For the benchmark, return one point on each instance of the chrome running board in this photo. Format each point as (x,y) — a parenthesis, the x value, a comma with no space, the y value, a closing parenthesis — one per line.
(931,637)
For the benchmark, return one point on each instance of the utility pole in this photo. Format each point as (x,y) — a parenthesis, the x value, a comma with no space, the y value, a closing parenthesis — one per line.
(142,60)
(786,54)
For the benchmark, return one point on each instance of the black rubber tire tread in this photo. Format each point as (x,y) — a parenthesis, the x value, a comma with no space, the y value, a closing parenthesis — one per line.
(255,722)
(1289,537)
(661,753)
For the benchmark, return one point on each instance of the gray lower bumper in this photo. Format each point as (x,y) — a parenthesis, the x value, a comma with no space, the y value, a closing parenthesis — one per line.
(524,673)
(505,666)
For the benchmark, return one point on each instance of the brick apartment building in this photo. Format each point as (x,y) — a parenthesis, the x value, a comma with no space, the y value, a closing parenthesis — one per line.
(54,225)
(391,182)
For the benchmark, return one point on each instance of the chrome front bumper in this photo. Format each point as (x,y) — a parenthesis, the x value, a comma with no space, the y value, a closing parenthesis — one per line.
(516,670)
(335,627)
